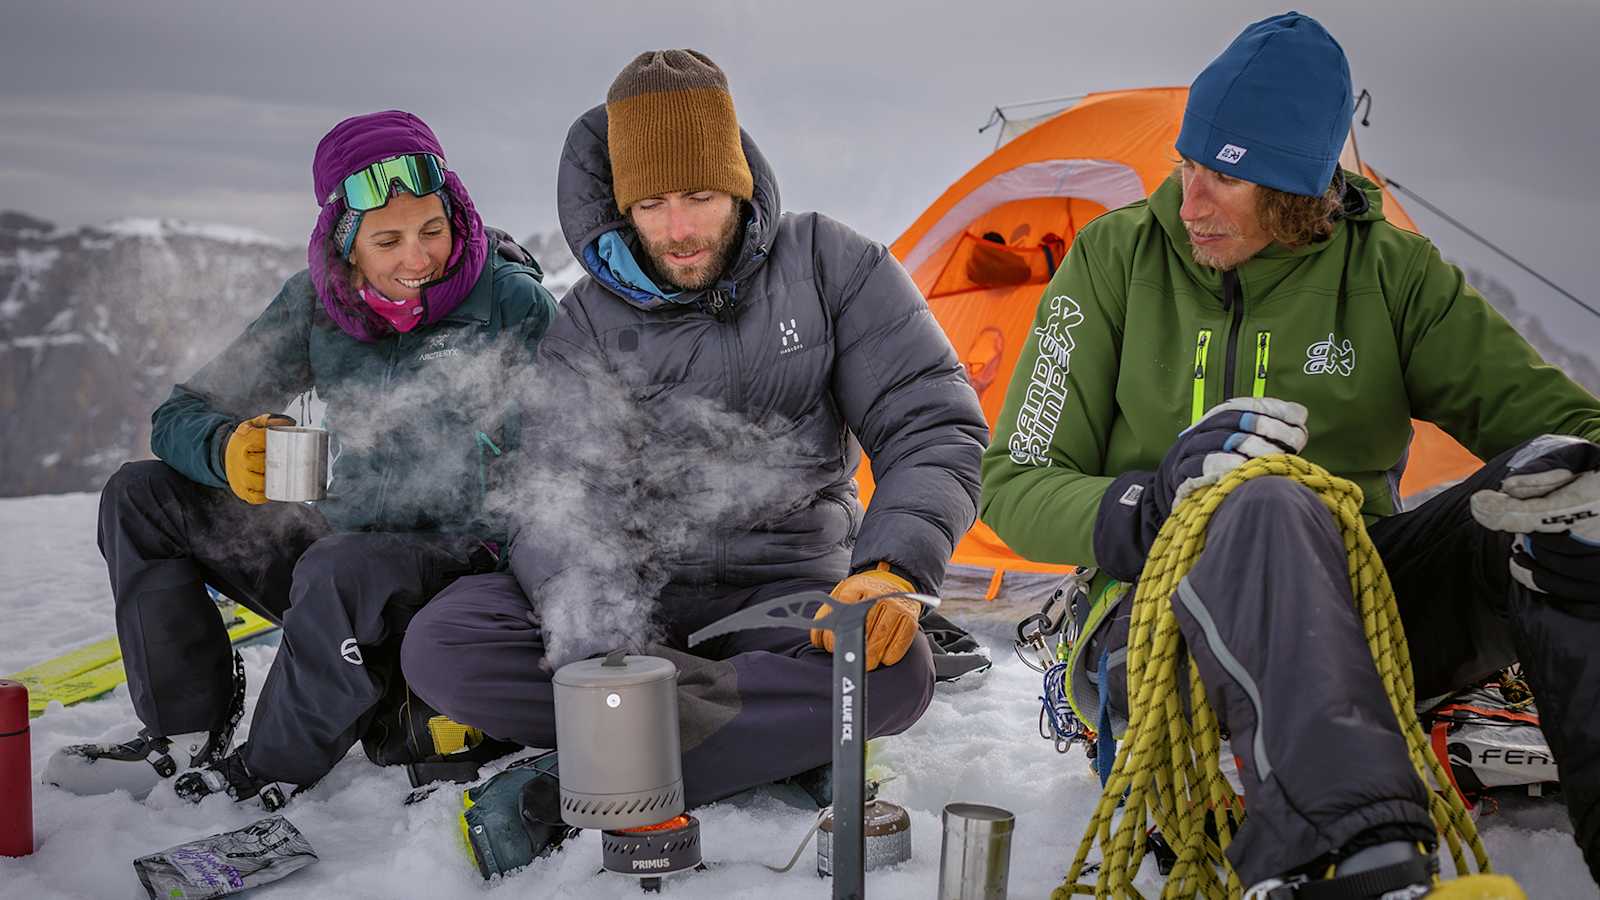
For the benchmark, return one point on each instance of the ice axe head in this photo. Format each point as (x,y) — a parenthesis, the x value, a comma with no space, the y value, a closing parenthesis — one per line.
(797,610)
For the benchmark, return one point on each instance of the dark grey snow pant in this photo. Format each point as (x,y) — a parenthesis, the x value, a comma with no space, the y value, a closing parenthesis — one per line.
(1268,615)
(753,706)
(342,600)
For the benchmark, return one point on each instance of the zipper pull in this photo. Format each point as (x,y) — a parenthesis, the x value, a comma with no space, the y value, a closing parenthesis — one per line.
(717,305)
(1263,352)
(1197,401)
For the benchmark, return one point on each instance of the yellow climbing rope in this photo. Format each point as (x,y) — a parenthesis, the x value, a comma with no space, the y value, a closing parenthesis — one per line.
(1168,765)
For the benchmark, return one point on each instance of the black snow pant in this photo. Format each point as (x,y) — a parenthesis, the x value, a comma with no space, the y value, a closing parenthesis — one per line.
(753,706)
(1268,615)
(343,600)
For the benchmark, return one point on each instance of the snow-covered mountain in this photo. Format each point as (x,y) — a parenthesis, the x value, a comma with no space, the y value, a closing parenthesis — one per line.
(97,323)
(561,270)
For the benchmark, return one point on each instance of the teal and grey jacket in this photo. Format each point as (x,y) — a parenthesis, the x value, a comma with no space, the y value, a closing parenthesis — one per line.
(416,420)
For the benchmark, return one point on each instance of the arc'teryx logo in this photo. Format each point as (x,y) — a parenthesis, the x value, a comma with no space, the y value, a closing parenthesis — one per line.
(1331,357)
(350,652)
(789,334)
(439,348)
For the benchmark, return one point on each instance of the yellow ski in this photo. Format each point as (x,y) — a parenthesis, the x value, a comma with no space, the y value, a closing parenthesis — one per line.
(96,669)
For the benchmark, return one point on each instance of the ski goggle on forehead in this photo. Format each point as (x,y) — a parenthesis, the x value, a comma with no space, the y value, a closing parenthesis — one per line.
(419,173)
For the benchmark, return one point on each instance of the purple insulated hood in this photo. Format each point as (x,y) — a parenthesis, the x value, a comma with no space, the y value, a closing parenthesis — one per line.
(352,145)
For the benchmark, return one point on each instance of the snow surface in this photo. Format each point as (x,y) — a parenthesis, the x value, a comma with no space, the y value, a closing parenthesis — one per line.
(977,743)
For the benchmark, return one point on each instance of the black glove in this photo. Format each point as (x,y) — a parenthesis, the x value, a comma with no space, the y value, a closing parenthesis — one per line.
(1138,503)
(1550,499)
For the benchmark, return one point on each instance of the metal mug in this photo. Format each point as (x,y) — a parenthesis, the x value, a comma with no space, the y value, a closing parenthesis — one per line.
(297,463)
(975,853)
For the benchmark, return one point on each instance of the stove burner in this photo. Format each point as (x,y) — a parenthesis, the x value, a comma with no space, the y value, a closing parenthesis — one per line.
(650,852)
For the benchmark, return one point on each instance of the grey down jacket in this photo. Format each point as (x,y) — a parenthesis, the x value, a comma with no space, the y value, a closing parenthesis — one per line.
(761,394)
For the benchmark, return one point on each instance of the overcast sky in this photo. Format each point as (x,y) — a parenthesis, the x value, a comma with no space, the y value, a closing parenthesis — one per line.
(210,110)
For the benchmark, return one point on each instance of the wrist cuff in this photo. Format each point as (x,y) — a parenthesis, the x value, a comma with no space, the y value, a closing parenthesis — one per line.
(1124,526)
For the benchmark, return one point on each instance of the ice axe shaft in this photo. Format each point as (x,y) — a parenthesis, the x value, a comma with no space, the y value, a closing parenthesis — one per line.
(848,622)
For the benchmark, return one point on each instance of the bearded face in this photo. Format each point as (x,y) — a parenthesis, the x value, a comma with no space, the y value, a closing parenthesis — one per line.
(1220,216)
(689,236)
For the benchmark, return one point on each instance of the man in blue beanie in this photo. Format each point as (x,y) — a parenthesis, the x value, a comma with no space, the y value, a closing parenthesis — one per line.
(1259,303)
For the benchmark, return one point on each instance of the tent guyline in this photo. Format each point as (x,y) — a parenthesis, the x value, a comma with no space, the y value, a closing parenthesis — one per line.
(998,115)
(1488,243)
(1366,121)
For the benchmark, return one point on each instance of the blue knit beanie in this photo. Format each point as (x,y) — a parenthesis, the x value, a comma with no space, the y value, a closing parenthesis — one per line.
(1274,108)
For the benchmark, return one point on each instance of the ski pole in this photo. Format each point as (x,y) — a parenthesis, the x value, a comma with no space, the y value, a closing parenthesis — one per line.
(16,779)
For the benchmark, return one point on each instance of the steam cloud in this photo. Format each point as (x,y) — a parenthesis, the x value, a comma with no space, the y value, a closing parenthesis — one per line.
(608,495)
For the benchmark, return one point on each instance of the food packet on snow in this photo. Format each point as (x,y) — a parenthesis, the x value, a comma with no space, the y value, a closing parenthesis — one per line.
(259,853)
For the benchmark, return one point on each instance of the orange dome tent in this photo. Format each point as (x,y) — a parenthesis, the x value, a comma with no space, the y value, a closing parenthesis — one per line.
(983,252)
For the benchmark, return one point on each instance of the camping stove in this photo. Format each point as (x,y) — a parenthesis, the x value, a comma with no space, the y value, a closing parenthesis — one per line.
(621,773)
(653,851)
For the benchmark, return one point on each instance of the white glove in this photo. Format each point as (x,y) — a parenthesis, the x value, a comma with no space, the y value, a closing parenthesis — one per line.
(1550,499)
(1229,434)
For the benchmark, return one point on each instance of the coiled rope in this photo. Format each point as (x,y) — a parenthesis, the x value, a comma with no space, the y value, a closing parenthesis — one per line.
(1167,771)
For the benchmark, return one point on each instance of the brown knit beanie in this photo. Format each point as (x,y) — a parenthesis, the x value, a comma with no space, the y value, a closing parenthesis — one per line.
(672,128)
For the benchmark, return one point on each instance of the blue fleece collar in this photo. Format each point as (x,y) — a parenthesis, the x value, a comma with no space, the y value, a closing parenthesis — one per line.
(612,262)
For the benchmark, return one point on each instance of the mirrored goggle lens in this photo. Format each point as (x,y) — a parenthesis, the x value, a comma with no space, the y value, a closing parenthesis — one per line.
(420,173)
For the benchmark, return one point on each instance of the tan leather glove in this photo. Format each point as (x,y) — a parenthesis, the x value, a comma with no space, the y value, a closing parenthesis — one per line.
(245,457)
(892,623)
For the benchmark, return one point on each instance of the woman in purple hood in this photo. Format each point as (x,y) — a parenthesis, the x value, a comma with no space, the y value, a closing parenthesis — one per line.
(409,326)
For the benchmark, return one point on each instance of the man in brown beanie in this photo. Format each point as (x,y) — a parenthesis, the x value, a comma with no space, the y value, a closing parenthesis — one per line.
(731,360)
(678,168)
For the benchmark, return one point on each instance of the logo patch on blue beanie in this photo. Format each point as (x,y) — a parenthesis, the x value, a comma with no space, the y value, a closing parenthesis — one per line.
(1231,154)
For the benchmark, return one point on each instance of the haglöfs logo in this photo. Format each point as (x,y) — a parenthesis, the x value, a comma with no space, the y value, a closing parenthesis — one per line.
(789,335)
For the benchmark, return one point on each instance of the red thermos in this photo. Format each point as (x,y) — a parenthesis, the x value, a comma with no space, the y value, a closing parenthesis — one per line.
(16,782)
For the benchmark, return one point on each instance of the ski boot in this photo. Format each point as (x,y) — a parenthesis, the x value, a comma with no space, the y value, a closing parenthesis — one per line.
(143,761)
(408,732)
(1396,870)
(515,817)
(230,776)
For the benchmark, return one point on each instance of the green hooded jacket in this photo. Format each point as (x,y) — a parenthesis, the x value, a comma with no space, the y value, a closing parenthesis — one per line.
(1368,330)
